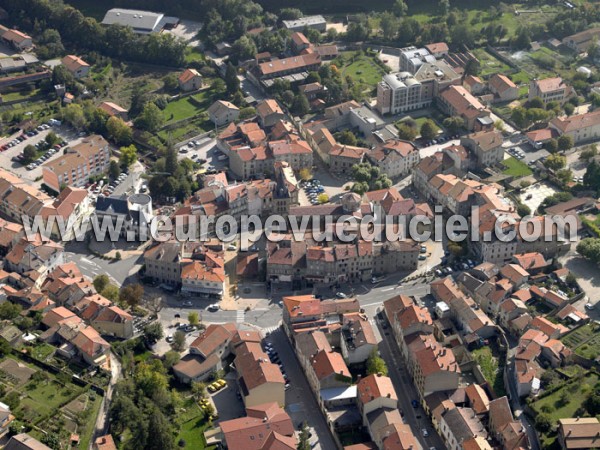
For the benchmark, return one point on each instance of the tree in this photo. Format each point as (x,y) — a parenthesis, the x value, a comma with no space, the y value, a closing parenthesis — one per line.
(162,432)
(406,132)
(565,176)
(389,25)
(305,174)
(590,248)
(303,438)
(170,82)
(114,170)
(444,6)
(290,14)
(155,304)
(29,154)
(73,114)
(543,422)
(555,162)
(453,124)
(128,156)
(523,38)
(519,117)
(376,364)
(198,389)
(111,292)
(523,210)
(429,130)
(569,108)
(323,198)
(565,142)
(551,145)
(232,82)
(171,163)
(52,139)
(193,318)
(170,359)
(119,131)
(400,8)
(591,179)
(5,347)
(346,137)
(243,49)
(247,112)
(151,118)
(153,332)
(587,154)
(100,282)
(51,440)
(132,294)
(300,106)
(178,341)
(592,403)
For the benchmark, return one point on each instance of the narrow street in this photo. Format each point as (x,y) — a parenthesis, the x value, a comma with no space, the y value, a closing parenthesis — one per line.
(102,421)
(406,390)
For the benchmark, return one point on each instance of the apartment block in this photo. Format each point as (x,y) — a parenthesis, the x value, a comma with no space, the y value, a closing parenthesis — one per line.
(74,168)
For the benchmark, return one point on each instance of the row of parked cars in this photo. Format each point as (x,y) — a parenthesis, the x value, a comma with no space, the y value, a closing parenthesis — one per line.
(441,140)
(110,188)
(24,136)
(313,189)
(516,152)
(274,357)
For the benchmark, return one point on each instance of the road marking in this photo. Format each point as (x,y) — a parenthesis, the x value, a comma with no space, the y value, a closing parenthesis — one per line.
(388,289)
(240,315)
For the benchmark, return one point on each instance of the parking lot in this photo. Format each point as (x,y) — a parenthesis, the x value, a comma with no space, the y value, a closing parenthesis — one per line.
(6,156)
(204,149)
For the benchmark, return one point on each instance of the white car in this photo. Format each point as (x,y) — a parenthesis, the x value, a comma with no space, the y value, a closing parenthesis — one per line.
(213,307)
(424,432)
(589,306)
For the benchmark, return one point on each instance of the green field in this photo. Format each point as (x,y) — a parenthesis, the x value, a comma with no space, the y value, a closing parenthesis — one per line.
(490,64)
(361,68)
(577,392)
(187,107)
(516,168)
(192,426)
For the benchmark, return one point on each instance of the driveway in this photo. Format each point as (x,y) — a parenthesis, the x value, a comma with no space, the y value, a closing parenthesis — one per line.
(187,30)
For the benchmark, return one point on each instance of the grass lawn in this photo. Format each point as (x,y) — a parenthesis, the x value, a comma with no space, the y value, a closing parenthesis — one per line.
(516,168)
(362,69)
(490,64)
(193,54)
(42,351)
(552,405)
(491,369)
(192,426)
(42,398)
(187,107)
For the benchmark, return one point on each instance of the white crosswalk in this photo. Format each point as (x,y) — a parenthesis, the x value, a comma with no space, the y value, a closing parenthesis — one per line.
(240,315)
(270,329)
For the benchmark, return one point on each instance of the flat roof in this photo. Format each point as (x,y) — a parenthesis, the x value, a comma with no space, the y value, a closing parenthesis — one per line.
(145,21)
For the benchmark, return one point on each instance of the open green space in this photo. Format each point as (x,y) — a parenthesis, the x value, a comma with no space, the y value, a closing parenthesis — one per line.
(516,168)
(564,402)
(491,369)
(361,68)
(585,341)
(192,425)
(186,107)
(489,63)
(42,351)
